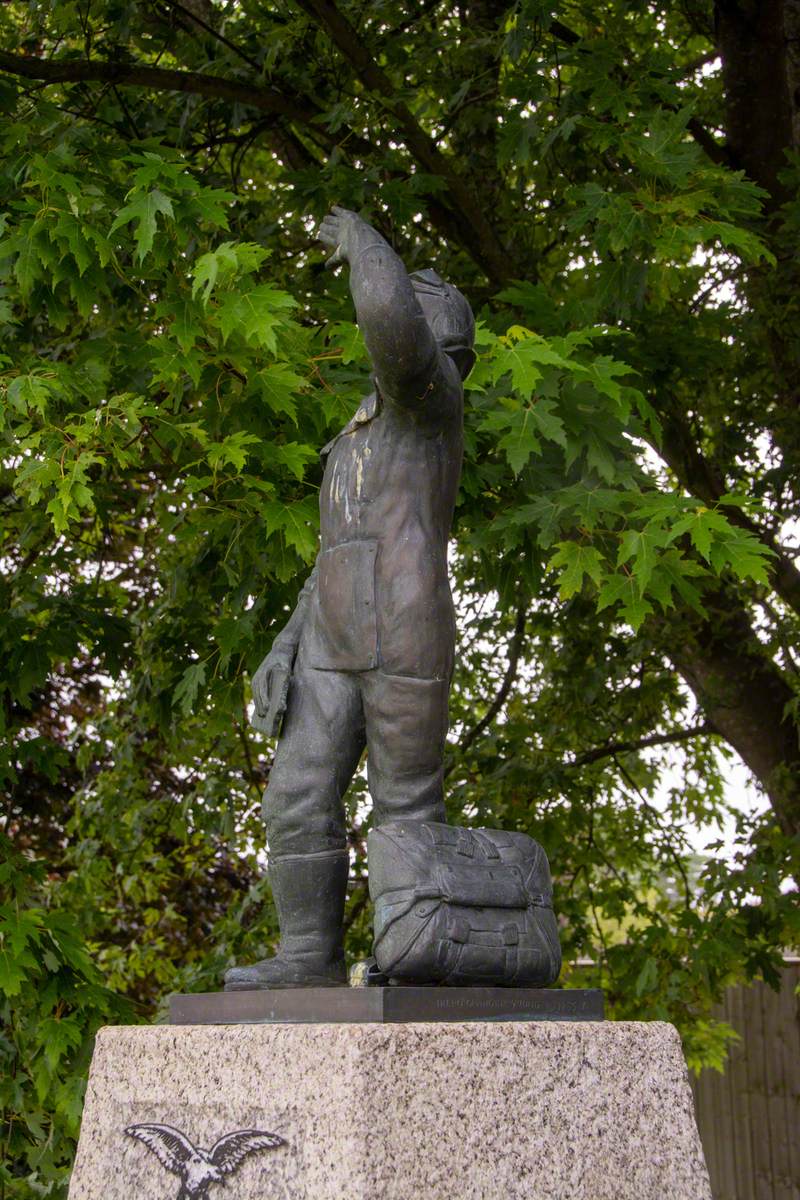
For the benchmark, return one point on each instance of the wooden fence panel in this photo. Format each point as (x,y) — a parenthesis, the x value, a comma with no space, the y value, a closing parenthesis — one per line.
(749,1118)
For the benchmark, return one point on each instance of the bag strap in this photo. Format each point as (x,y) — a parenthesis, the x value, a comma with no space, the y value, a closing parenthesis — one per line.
(486,844)
(417,895)
(465,845)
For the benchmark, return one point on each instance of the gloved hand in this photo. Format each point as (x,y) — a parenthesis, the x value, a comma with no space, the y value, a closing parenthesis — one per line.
(271,688)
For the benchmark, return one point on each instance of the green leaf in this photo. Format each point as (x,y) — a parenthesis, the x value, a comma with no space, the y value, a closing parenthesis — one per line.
(70,1100)
(520,442)
(700,525)
(293,456)
(623,589)
(185,326)
(233,450)
(600,456)
(278,386)
(169,363)
(29,392)
(592,505)
(603,372)
(14,970)
(185,694)
(547,422)
(255,315)
(59,1036)
(647,979)
(744,554)
(220,262)
(673,572)
(546,512)
(297,522)
(211,205)
(346,337)
(143,210)
(521,427)
(68,230)
(641,545)
(28,264)
(522,359)
(575,561)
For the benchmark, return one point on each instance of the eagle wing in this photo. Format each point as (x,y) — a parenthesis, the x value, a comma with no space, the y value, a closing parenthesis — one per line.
(229,1150)
(171,1147)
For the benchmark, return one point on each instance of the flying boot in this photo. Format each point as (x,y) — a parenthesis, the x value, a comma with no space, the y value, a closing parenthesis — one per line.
(309,892)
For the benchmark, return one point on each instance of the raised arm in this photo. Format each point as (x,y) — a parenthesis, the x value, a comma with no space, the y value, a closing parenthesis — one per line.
(402,348)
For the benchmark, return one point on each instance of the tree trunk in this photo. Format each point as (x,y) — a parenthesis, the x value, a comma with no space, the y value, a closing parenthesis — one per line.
(735,681)
(744,696)
(759,72)
(759,42)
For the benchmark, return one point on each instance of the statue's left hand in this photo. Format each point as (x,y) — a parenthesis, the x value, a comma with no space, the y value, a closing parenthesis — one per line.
(343,232)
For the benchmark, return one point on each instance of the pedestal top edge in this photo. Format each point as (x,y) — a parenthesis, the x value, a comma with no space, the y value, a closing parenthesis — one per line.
(549,1029)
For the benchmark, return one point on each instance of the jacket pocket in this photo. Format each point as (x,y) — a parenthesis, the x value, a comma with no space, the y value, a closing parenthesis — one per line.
(343,634)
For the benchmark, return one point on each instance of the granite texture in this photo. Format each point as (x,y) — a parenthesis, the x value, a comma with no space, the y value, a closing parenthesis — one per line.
(545,1111)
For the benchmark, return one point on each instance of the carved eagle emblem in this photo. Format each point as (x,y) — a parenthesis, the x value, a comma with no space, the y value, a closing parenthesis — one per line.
(198,1168)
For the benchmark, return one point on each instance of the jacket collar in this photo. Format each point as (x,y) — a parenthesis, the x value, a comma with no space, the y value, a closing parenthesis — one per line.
(368,409)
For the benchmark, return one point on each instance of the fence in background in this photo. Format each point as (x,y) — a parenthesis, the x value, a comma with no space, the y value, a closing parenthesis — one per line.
(749,1118)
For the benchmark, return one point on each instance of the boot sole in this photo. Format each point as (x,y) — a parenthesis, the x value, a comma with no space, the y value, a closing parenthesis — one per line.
(315,982)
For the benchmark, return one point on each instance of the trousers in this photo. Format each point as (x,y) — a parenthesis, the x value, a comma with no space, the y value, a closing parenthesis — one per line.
(330,717)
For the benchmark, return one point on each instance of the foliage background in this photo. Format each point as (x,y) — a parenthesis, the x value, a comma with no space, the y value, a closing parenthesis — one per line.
(614,187)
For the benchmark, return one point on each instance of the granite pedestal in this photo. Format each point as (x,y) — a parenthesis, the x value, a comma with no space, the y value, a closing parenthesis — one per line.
(442,1111)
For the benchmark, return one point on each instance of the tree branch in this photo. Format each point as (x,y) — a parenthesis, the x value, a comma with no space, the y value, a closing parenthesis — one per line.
(358,905)
(610,749)
(251,62)
(267,99)
(508,679)
(476,233)
(645,803)
(255,778)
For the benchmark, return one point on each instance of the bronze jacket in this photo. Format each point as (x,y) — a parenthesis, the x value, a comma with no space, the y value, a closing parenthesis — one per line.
(382,595)
(379,595)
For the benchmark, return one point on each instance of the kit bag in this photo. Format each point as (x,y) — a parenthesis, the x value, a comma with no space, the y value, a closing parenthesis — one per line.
(462,906)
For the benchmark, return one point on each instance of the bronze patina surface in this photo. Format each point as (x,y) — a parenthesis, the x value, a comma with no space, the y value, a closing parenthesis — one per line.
(386,1005)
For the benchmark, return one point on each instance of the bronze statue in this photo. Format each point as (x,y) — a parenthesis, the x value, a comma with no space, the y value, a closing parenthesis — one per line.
(367,655)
